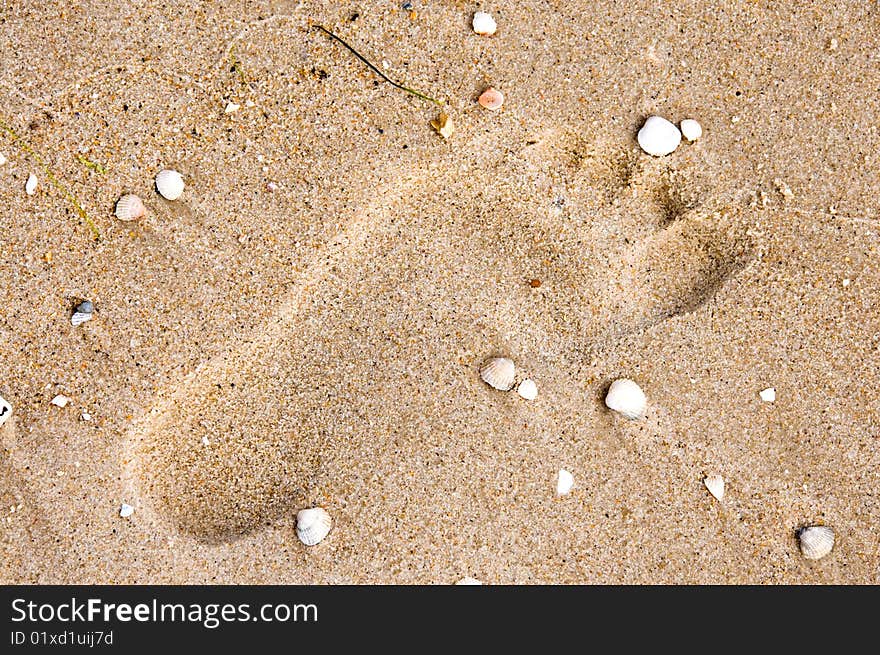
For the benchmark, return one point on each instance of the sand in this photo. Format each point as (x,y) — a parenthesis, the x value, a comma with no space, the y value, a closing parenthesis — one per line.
(325,337)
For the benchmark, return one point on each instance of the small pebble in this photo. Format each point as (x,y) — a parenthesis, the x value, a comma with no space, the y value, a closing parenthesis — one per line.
(126,510)
(846,281)
(205,441)
(534,283)
(527,389)
(271,187)
(564,482)
(484,24)
(491,99)
(5,411)
(30,186)
(768,395)
(85,416)
(60,401)
(658,137)
(832,45)
(691,129)
(85,307)
(231,108)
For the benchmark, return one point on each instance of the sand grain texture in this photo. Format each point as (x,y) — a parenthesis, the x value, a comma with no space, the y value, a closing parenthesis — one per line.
(326,337)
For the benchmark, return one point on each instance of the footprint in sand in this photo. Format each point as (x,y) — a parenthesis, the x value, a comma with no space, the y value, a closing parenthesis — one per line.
(616,239)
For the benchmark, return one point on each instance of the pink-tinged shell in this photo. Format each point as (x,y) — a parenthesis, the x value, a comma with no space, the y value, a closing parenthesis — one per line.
(491,99)
(130,208)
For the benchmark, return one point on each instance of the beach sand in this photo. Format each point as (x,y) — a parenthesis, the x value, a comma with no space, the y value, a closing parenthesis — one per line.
(306,324)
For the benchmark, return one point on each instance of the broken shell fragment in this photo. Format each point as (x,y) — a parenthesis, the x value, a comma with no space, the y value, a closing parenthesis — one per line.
(768,395)
(715,485)
(60,401)
(443,125)
(816,541)
(499,373)
(312,525)
(169,184)
(5,411)
(126,510)
(691,129)
(528,389)
(564,482)
(82,313)
(30,187)
(658,136)
(468,581)
(484,24)
(130,208)
(627,399)
(491,99)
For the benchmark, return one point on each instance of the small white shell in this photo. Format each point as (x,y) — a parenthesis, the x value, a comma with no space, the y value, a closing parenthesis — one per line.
(528,389)
(816,541)
(715,485)
(564,482)
(626,398)
(30,187)
(468,581)
(79,318)
(2,159)
(312,525)
(484,24)
(60,401)
(126,510)
(499,373)
(658,136)
(129,208)
(691,129)
(169,184)
(5,411)
(768,395)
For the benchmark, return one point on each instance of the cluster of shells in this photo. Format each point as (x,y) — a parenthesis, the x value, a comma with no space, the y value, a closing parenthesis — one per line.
(169,184)
(500,373)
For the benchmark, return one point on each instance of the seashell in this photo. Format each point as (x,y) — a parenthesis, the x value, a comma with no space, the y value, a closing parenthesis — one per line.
(626,398)
(126,510)
(5,411)
(468,581)
(768,395)
(60,401)
(564,482)
(169,184)
(484,24)
(79,318)
(491,99)
(715,485)
(691,129)
(312,525)
(130,208)
(30,187)
(658,136)
(498,373)
(528,389)
(2,159)
(816,541)
(443,125)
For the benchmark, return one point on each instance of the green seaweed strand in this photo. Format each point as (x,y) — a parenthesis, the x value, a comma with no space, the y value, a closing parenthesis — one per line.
(376,70)
(52,179)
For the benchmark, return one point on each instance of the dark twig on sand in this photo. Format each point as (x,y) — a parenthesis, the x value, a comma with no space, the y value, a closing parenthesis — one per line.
(376,70)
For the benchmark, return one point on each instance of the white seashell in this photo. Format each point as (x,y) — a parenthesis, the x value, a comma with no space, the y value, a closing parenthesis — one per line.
(816,541)
(169,184)
(768,395)
(658,136)
(484,24)
(60,401)
(626,398)
(231,108)
(2,159)
(129,208)
(126,510)
(468,581)
(691,129)
(79,318)
(498,373)
(312,525)
(528,389)
(5,411)
(30,187)
(85,416)
(715,485)
(564,482)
